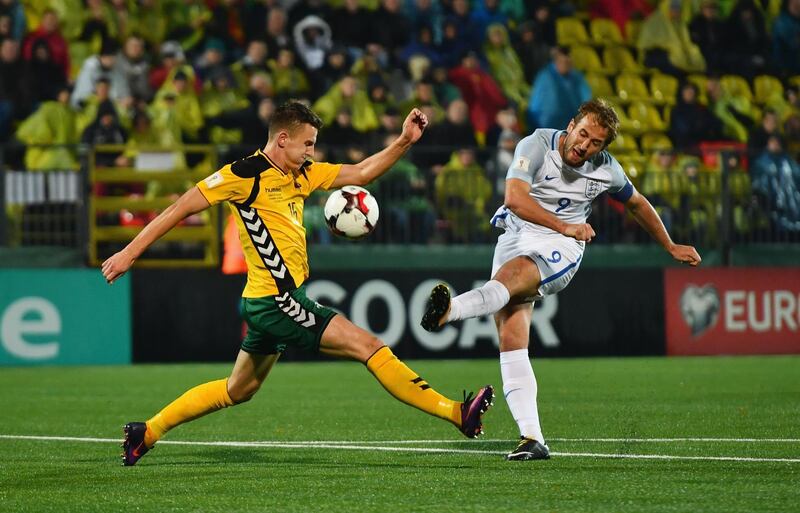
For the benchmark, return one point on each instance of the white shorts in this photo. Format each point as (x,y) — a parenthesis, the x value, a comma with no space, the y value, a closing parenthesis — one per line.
(557,257)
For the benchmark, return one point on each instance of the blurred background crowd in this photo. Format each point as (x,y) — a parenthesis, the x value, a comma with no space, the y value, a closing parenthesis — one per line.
(699,86)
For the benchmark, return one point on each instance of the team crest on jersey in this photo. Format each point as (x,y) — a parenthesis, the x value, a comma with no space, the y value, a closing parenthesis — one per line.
(592,188)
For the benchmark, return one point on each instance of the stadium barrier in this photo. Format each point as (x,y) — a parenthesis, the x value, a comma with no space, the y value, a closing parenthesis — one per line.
(96,207)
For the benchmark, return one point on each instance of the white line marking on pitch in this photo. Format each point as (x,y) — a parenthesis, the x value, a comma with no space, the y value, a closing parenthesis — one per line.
(352,446)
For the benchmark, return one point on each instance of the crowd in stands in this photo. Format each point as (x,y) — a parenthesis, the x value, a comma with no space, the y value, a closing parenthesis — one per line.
(689,77)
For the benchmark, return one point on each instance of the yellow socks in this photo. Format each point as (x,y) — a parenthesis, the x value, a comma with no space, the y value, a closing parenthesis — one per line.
(405,385)
(200,400)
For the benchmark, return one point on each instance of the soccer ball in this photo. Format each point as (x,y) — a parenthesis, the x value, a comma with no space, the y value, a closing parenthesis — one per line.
(351,212)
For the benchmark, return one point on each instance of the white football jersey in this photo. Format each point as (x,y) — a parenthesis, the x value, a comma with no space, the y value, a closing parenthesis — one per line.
(565,191)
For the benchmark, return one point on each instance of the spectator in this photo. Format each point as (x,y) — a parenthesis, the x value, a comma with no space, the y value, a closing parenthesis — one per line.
(444,91)
(505,121)
(105,129)
(557,93)
(469,32)
(220,97)
(187,22)
(11,91)
(786,39)
(533,52)
(178,108)
(423,45)
(479,90)
(776,178)
(505,66)
(665,42)
(349,24)
(484,14)
(304,8)
(746,42)
(735,112)
(707,31)
(620,11)
(288,80)
(102,65)
(212,61)
(253,121)
(544,23)
(172,57)
(453,45)
(134,65)
(462,192)
(227,24)
(312,38)
(253,61)
(390,29)
(347,94)
(16,18)
(691,122)
(423,96)
(149,21)
(455,131)
(276,34)
(425,12)
(89,106)
(50,134)
(759,135)
(49,32)
(340,134)
(408,216)
(42,77)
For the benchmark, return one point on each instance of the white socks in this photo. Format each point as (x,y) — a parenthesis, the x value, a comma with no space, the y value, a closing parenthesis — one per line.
(484,300)
(519,387)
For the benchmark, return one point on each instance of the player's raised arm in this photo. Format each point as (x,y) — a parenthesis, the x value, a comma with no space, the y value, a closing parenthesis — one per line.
(375,165)
(118,264)
(648,218)
(519,201)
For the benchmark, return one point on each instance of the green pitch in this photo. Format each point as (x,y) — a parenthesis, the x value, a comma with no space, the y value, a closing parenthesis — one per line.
(331,439)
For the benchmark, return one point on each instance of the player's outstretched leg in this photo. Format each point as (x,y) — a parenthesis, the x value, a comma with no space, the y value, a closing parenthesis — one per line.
(196,402)
(436,309)
(484,300)
(407,386)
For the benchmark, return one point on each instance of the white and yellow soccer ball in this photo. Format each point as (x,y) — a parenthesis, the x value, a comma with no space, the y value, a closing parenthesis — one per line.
(351,212)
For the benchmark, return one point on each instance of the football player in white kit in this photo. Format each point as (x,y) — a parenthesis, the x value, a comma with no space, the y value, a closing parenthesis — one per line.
(550,186)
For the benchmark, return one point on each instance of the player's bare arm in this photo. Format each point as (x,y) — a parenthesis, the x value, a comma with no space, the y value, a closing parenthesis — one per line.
(648,218)
(519,201)
(118,264)
(375,165)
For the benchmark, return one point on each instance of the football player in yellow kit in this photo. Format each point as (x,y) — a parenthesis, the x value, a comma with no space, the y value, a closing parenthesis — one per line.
(266,192)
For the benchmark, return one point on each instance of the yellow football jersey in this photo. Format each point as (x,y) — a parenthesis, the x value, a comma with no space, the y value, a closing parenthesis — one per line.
(267,203)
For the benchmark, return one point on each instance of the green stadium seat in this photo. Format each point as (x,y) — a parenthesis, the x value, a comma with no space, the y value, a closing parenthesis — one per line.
(605,32)
(585,59)
(645,117)
(766,88)
(632,29)
(601,86)
(625,143)
(631,87)
(619,59)
(737,86)
(663,89)
(654,141)
(571,31)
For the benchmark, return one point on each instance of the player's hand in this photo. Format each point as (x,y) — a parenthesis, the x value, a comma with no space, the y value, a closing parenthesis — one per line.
(116,265)
(685,254)
(414,125)
(582,231)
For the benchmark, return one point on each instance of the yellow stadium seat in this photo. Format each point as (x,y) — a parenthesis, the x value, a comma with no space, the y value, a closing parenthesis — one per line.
(571,31)
(631,87)
(795,80)
(585,59)
(633,164)
(663,89)
(655,141)
(601,86)
(701,82)
(736,85)
(766,88)
(645,117)
(632,29)
(605,32)
(619,59)
(624,143)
